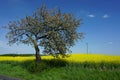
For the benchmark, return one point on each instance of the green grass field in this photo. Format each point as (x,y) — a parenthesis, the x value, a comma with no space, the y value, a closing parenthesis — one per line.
(61,69)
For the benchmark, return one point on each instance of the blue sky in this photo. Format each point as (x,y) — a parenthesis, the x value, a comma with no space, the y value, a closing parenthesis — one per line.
(101,23)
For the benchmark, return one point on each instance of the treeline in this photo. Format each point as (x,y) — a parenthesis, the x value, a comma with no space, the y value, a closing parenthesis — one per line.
(17,55)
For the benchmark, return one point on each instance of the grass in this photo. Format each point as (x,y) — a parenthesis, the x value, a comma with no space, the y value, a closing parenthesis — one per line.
(66,69)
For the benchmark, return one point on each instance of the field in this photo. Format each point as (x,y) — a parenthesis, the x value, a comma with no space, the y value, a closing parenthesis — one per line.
(74,67)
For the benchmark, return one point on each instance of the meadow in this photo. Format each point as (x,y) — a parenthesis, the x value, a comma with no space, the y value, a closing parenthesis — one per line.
(74,67)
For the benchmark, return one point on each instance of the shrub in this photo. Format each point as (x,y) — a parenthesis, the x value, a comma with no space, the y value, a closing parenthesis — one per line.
(56,62)
(34,67)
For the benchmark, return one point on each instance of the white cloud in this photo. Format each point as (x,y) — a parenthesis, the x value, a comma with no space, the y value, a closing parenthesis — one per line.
(105,16)
(91,15)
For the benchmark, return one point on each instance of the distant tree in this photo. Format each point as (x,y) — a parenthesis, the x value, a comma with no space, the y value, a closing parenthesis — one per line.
(50,29)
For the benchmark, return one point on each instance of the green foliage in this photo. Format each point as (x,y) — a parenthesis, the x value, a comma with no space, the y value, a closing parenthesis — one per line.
(51,70)
(34,67)
(99,66)
(55,63)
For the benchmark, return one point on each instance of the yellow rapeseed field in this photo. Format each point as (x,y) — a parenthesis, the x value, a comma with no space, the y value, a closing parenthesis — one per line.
(72,58)
(93,58)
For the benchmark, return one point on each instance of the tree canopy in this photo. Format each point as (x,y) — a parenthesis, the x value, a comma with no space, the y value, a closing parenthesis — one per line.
(51,29)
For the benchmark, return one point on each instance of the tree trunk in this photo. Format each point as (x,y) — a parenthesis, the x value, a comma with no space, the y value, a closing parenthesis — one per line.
(38,57)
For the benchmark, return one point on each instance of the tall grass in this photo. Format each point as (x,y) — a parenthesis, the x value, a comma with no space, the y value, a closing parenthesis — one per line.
(60,70)
(75,67)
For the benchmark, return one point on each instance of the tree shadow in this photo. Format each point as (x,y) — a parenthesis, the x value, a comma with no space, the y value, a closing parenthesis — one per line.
(33,66)
(47,64)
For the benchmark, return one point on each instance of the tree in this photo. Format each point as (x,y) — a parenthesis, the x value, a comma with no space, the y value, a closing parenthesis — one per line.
(50,29)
